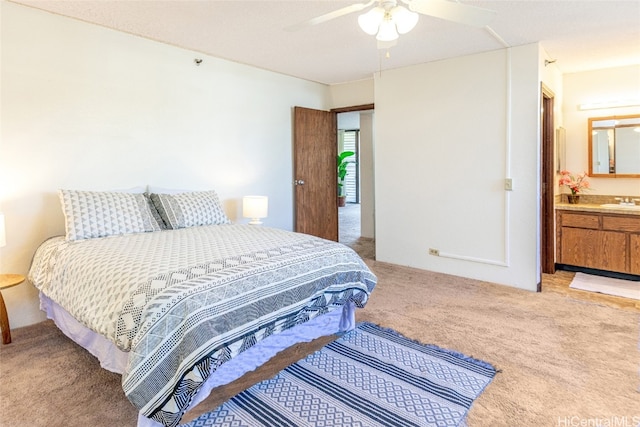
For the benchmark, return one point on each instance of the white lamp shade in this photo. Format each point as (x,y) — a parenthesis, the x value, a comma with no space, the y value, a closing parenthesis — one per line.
(386,25)
(370,21)
(255,207)
(387,31)
(405,20)
(3,237)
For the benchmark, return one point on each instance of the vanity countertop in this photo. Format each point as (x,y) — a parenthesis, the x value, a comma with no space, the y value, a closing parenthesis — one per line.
(587,207)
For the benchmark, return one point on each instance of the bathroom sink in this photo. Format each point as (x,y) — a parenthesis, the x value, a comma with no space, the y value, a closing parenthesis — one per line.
(619,206)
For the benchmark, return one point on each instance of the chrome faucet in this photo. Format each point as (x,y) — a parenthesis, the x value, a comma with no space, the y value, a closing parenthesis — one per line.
(621,200)
(627,201)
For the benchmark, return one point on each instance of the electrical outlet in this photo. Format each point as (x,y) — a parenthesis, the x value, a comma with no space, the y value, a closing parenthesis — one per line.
(434,252)
(508,184)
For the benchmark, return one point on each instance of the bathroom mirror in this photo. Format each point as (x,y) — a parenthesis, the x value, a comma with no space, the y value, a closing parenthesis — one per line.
(614,146)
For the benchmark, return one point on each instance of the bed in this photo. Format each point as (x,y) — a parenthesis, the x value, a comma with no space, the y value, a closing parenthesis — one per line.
(165,290)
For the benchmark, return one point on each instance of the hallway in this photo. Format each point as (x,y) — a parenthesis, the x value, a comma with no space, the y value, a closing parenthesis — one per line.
(349,231)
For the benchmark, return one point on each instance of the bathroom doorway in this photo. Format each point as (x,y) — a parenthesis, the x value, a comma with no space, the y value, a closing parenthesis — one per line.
(547,174)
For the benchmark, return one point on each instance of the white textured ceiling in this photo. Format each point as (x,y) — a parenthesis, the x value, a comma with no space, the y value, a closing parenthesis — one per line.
(580,35)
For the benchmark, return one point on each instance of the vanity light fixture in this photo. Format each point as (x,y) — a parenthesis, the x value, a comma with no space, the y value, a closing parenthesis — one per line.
(609,104)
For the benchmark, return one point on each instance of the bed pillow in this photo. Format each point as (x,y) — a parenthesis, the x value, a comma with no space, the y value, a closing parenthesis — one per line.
(163,190)
(90,214)
(190,209)
(137,189)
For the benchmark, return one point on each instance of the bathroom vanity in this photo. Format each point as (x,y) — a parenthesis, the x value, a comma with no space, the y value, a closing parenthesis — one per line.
(602,232)
(597,237)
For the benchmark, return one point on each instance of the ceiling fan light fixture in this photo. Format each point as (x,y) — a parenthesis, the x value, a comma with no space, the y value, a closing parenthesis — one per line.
(404,19)
(370,21)
(387,31)
(386,22)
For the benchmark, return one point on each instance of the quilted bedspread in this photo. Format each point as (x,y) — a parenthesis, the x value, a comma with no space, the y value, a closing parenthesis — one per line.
(182,302)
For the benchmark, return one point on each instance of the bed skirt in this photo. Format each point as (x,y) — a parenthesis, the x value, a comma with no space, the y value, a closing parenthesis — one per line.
(115,360)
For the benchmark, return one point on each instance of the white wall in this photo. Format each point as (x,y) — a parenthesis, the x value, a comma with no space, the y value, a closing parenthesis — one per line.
(611,84)
(351,94)
(448,133)
(85,107)
(551,78)
(367,174)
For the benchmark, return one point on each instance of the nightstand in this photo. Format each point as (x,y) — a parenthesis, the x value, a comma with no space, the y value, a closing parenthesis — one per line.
(7,281)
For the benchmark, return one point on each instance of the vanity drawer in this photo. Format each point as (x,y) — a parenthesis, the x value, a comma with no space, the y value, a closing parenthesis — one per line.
(580,220)
(619,223)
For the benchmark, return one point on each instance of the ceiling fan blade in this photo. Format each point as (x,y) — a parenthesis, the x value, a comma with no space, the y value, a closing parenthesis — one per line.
(453,11)
(331,15)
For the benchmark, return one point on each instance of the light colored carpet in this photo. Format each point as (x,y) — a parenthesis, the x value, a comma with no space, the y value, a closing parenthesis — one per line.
(562,361)
(560,358)
(606,285)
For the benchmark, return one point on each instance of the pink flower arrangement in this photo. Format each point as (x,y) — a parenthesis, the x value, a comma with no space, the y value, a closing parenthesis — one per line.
(576,183)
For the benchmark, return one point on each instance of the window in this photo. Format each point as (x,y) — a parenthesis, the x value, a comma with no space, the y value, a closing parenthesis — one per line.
(351,142)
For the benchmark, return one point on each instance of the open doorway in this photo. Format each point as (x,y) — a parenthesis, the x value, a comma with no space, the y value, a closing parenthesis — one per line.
(356,219)
(547,173)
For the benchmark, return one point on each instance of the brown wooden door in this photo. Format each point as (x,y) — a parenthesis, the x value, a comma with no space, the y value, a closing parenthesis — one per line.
(315,172)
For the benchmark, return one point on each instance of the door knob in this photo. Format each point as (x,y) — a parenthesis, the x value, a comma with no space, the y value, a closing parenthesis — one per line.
(298,182)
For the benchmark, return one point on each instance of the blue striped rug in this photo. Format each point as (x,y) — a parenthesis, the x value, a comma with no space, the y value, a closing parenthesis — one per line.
(371,376)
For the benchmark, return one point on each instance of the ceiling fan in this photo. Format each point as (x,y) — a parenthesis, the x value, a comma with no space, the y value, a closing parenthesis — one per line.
(388,19)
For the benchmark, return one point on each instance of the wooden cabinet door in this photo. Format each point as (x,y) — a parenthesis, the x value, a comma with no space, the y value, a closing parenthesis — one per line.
(603,250)
(634,249)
